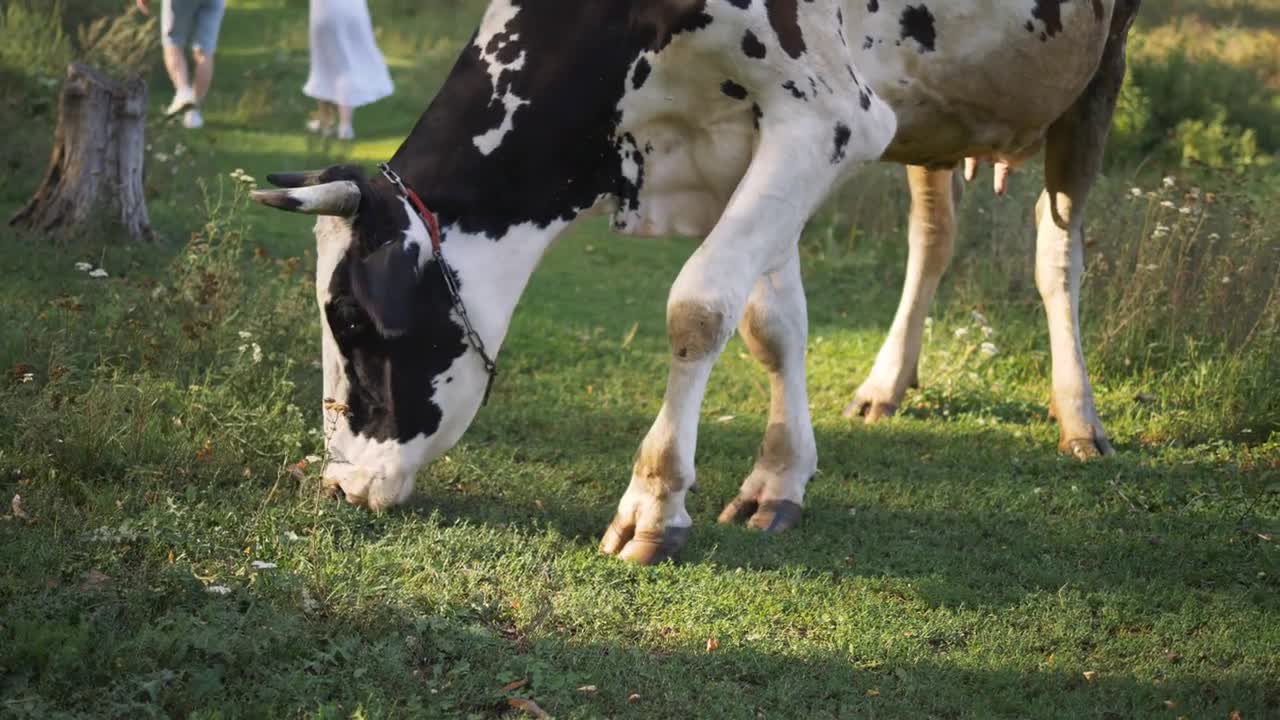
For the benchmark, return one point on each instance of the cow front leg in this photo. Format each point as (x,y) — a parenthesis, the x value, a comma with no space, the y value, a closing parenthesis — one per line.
(775,328)
(793,169)
(931,237)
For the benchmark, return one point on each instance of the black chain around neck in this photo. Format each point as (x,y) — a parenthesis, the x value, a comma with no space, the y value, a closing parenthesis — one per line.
(446,272)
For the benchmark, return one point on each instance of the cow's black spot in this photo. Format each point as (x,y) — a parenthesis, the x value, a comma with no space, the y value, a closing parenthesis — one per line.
(873,5)
(1030,26)
(756,114)
(751,46)
(917,24)
(842,136)
(825,84)
(784,17)
(733,90)
(840,26)
(867,43)
(853,75)
(740,4)
(813,85)
(1050,13)
(641,73)
(864,99)
(496,42)
(509,53)
(628,189)
(796,92)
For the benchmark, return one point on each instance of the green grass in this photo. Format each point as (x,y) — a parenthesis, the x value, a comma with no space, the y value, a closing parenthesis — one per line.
(950,564)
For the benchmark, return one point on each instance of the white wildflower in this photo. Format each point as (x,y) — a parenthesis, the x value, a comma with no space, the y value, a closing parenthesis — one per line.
(245,334)
(978,317)
(179,150)
(312,458)
(928,323)
(1166,204)
(291,536)
(1169,181)
(262,565)
(1214,236)
(84,266)
(1226,279)
(28,377)
(257,353)
(242,348)
(1136,192)
(99,273)
(988,349)
(1184,211)
(961,332)
(218,590)
(988,331)
(1160,231)
(161,157)
(1153,267)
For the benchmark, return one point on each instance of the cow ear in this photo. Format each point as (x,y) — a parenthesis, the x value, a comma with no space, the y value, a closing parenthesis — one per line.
(385,283)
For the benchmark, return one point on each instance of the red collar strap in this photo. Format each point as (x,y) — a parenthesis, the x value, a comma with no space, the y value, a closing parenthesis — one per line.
(428,217)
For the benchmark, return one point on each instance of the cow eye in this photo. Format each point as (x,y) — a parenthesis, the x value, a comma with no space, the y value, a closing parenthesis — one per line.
(346,319)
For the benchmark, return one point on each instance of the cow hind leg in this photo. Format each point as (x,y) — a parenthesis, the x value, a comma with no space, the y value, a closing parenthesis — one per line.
(775,329)
(1073,159)
(931,237)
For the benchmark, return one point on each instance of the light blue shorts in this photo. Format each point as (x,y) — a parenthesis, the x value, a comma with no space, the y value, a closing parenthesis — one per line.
(191,23)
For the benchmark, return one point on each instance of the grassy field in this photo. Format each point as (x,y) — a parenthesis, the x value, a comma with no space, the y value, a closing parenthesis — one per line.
(172,555)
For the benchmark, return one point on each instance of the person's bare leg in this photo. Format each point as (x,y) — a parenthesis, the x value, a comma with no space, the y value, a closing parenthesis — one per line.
(204,72)
(175,62)
(345,131)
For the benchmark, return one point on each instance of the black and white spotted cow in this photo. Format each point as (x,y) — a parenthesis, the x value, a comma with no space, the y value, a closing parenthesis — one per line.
(729,120)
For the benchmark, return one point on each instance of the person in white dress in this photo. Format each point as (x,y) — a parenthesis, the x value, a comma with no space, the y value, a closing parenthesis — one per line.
(347,69)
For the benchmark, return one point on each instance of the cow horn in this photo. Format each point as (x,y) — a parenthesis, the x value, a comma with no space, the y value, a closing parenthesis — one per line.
(340,197)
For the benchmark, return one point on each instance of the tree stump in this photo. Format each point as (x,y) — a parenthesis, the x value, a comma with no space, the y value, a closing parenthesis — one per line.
(97,159)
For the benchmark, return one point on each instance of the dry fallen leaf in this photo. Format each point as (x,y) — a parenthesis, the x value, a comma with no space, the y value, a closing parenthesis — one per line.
(587,689)
(1090,675)
(18,510)
(633,698)
(1171,704)
(873,692)
(528,706)
(1235,715)
(94,581)
(712,644)
(514,685)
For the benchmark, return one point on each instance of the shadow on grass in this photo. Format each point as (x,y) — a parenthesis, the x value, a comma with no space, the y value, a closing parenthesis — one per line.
(258,652)
(886,504)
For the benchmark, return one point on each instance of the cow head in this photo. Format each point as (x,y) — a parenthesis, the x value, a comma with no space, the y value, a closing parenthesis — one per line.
(400,382)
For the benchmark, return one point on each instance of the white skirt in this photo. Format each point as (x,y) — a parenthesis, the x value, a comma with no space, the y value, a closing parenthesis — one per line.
(346,66)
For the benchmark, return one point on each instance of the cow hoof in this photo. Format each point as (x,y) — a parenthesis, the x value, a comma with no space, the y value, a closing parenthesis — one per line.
(871,411)
(768,516)
(332,490)
(1085,449)
(642,547)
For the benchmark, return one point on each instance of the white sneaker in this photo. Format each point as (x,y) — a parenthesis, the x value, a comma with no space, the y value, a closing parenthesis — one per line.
(192,120)
(184,99)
